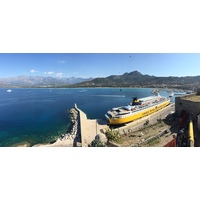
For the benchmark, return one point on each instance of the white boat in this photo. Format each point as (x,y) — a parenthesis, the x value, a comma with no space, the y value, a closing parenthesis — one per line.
(9,90)
(171,94)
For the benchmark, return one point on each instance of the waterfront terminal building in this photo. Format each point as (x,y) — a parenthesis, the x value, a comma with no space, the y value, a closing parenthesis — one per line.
(189,106)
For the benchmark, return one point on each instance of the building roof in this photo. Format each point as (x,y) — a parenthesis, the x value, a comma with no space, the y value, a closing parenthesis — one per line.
(194,98)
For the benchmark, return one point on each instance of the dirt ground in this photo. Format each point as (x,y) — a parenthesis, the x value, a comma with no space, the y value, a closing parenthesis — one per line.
(167,129)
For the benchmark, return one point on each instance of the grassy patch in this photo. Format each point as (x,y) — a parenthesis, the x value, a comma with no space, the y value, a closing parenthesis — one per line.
(143,133)
(121,140)
(153,142)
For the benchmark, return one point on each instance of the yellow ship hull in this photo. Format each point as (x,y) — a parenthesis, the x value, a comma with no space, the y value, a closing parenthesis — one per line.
(138,114)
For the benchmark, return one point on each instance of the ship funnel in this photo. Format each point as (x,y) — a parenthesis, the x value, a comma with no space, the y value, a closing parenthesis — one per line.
(135,101)
(135,98)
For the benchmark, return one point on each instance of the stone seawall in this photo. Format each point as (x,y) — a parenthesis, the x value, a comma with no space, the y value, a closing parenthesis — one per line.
(72,138)
(74,129)
(89,128)
(83,125)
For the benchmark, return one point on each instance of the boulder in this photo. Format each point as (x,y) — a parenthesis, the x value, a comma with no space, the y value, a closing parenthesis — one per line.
(101,137)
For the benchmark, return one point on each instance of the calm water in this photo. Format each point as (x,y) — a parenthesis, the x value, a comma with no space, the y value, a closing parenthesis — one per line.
(32,116)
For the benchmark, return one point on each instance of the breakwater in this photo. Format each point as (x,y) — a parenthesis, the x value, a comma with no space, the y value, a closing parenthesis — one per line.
(89,128)
(74,132)
(73,136)
(82,131)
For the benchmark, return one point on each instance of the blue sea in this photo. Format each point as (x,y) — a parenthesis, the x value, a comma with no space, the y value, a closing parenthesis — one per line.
(33,116)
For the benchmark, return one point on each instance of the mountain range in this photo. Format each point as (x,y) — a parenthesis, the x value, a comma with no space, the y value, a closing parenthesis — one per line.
(136,79)
(39,81)
(132,79)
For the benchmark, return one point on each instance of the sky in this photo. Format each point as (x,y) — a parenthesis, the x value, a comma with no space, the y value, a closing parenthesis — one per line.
(98,64)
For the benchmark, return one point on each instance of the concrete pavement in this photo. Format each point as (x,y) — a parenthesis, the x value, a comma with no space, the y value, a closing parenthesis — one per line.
(90,128)
(136,125)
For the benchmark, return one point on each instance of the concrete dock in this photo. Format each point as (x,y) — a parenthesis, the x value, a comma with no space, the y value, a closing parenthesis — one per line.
(137,124)
(89,128)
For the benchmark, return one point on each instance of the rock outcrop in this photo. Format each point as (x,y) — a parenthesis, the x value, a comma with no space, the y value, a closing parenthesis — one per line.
(74,129)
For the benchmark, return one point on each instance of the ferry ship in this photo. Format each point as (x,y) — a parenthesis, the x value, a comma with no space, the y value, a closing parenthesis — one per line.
(139,108)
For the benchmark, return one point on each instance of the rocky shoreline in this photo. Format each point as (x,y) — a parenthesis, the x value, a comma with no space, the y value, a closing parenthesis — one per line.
(74,129)
(72,138)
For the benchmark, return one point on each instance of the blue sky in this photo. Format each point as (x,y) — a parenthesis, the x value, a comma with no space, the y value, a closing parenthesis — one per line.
(98,64)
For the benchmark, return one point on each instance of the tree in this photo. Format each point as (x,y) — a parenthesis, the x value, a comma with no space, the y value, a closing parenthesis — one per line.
(112,135)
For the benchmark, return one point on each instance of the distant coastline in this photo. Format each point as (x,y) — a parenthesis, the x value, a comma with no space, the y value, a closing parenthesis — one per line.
(127,80)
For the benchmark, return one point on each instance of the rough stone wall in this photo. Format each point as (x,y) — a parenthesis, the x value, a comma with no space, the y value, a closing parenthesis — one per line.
(198,122)
(198,91)
(193,108)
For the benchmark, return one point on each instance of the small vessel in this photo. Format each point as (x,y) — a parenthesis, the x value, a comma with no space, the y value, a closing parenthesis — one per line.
(83,91)
(9,90)
(171,94)
(179,93)
(154,91)
(189,92)
(139,108)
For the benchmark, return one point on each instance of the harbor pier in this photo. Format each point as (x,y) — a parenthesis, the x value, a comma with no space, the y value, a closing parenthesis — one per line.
(89,128)
(81,127)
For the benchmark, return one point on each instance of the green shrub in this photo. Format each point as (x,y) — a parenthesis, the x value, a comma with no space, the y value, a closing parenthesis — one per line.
(97,143)
(112,135)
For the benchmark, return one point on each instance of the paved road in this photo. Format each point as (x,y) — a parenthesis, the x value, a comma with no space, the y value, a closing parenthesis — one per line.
(90,128)
(152,119)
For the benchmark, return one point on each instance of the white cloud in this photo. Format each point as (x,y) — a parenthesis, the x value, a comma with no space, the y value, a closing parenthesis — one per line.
(59,74)
(61,61)
(56,74)
(50,73)
(33,71)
